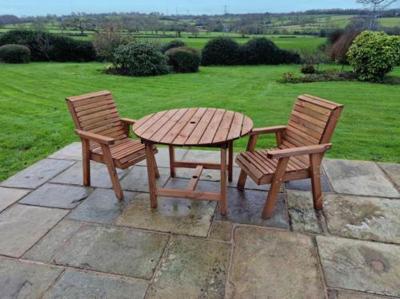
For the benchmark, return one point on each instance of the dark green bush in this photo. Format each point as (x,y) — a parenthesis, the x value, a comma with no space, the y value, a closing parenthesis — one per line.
(184,59)
(13,53)
(176,43)
(47,46)
(139,58)
(263,51)
(220,51)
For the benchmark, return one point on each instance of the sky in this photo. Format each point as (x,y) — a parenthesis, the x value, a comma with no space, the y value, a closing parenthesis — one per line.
(62,7)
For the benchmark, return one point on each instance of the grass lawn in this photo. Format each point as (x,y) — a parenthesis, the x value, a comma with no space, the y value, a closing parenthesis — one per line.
(35,122)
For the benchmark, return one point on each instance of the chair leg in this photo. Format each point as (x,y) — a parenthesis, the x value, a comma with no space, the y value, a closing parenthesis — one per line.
(230,161)
(275,187)
(242,180)
(171,151)
(315,169)
(113,172)
(157,172)
(86,163)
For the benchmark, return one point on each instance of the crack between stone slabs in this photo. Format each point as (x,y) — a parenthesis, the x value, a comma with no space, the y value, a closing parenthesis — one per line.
(320,267)
(57,279)
(358,292)
(57,174)
(158,266)
(230,262)
(388,177)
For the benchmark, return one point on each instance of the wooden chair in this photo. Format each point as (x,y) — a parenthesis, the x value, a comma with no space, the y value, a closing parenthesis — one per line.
(104,136)
(300,148)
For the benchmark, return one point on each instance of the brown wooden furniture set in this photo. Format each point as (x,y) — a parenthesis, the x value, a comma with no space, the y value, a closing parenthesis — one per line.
(300,145)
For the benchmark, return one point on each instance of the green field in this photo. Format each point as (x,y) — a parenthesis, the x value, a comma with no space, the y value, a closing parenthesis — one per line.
(35,121)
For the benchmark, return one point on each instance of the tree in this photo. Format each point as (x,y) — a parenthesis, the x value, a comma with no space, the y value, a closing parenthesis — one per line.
(376,7)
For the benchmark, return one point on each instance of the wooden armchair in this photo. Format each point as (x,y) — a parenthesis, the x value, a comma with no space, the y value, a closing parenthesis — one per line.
(104,136)
(301,146)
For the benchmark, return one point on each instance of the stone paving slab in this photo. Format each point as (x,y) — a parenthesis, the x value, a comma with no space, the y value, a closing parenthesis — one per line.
(269,263)
(106,249)
(393,171)
(101,206)
(359,178)
(22,226)
(8,196)
(98,173)
(191,268)
(221,230)
(79,284)
(360,265)
(37,174)
(179,216)
(367,218)
(243,207)
(301,210)
(137,179)
(25,280)
(305,185)
(57,196)
(72,151)
(162,157)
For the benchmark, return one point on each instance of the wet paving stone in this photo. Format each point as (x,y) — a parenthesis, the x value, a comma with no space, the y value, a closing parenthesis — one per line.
(98,172)
(393,171)
(72,151)
(79,284)
(179,216)
(367,218)
(191,268)
(25,280)
(270,263)
(137,179)
(22,226)
(8,196)
(221,230)
(101,206)
(302,213)
(106,249)
(57,196)
(37,174)
(360,265)
(359,178)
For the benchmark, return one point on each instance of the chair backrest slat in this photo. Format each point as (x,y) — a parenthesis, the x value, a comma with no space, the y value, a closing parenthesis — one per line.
(96,112)
(312,121)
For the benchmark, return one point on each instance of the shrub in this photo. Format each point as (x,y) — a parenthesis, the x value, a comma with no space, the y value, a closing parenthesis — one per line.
(373,55)
(15,54)
(139,58)
(220,51)
(184,59)
(176,43)
(68,49)
(308,69)
(45,46)
(264,51)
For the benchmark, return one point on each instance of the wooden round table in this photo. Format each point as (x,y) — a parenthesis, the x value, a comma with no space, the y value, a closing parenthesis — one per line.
(203,127)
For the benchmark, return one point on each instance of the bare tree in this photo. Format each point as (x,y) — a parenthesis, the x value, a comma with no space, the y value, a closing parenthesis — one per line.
(376,7)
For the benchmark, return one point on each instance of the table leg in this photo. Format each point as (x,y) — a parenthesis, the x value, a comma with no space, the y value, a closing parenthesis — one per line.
(223,200)
(151,174)
(171,160)
(230,162)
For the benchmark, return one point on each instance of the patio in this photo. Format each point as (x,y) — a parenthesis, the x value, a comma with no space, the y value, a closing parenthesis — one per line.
(60,239)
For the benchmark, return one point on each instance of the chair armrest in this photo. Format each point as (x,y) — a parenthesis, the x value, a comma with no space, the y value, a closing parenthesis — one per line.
(128,121)
(267,130)
(95,137)
(298,151)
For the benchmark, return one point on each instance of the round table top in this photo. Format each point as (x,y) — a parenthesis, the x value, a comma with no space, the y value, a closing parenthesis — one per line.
(193,126)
